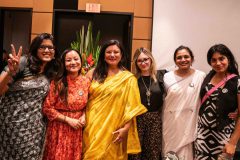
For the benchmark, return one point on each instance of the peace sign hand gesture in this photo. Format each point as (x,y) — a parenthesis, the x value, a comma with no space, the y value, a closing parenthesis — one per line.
(14,60)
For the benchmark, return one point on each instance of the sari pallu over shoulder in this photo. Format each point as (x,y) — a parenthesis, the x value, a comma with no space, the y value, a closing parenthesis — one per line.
(111,105)
(181,107)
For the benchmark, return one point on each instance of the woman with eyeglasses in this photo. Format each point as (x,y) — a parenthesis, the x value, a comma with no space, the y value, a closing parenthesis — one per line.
(24,85)
(181,105)
(151,87)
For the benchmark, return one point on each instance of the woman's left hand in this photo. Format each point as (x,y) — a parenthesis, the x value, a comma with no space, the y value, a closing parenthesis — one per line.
(229,149)
(82,120)
(121,135)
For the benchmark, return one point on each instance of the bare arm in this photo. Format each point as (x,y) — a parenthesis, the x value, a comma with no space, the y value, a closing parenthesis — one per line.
(90,74)
(231,146)
(5,78)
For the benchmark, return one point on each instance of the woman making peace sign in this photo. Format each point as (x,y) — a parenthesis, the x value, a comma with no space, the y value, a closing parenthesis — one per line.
(24,84)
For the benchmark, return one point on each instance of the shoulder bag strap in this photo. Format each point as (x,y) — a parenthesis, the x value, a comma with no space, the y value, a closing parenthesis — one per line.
(216,87)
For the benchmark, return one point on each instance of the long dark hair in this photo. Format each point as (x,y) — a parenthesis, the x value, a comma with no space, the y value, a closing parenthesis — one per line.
(61,85)
(101,70)
(224,50)
(35,63)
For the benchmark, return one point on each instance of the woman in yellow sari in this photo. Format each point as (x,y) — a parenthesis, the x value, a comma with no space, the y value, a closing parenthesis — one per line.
(113,105)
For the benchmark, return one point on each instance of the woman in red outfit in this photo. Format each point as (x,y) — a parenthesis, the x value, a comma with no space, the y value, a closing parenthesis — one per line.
(64,108)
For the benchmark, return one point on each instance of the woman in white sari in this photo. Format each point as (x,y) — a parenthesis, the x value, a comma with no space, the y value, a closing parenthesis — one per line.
(181,105)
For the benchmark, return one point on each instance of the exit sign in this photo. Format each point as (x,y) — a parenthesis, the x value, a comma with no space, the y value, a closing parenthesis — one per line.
(93,7)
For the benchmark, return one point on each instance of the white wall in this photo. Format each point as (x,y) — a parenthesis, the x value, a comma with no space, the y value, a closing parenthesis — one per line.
(198,24)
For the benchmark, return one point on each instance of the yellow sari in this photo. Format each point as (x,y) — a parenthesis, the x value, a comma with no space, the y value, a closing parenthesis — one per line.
(111,105)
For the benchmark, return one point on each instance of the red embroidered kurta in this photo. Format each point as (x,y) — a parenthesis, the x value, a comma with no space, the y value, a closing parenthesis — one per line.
(62,141)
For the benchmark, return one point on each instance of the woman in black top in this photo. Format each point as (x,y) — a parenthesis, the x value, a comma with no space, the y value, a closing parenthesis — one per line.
(218,133)
(150,82)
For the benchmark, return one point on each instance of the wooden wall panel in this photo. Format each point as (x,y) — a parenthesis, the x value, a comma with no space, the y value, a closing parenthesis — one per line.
(110,5)
(140,43)
(42,22)
(117,5)
(43,5)
(17,3)
(33,36)
(142,28)
(143,8)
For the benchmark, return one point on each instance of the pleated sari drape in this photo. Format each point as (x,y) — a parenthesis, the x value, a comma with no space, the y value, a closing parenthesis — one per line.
(111,105)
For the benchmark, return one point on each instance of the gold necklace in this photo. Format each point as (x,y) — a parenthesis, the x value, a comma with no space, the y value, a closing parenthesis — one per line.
(148,91)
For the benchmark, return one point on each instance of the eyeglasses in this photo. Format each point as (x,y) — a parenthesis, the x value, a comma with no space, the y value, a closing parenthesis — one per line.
(144,60)
(50,48)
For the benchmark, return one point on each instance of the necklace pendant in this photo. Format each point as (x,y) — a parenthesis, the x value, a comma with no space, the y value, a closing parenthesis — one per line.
(148,93)
(148,103)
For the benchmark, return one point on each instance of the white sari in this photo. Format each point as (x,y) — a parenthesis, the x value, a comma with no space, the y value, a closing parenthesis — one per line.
(180,113)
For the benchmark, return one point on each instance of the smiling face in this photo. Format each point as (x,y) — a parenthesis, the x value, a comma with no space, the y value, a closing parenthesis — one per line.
(113,55)
(183,59)
(144,62)
(219,62)
(46,51)
(73,63)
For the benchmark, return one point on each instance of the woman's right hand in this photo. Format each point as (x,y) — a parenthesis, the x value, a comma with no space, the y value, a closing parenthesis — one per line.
(229,149)
(74,123)
(14,60)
